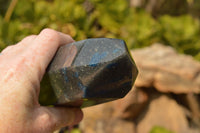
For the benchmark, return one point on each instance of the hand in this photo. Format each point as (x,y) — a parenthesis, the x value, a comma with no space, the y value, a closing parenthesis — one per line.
(22,67)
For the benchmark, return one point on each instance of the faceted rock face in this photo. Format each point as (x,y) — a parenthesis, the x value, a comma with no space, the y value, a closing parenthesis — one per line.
(92,71)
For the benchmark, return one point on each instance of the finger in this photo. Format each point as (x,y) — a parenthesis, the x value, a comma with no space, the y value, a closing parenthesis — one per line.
(27,40)
(19,47)
(8,49)
(45,46)
(52,118)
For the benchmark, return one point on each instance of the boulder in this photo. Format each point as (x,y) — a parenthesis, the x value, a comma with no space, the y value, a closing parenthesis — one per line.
(113,117)
(99,119)
(164,112)
(163,68)
(131,105)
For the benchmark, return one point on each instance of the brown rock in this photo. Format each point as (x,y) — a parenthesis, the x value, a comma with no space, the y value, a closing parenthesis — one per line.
(99,119)
(145,77)
(164,112)
(166,58)
(120,126)
(169,82)
(109,126)
(108,117)
(95,117)
(131,105)
(161,67)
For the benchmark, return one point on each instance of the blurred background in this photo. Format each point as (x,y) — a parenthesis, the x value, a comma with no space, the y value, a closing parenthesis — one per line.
(141,23)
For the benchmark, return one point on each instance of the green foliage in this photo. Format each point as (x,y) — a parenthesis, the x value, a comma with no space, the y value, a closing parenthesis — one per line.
(3,6)
(101,18)
(158,129)
(140,29)
(74,131)
(182,33)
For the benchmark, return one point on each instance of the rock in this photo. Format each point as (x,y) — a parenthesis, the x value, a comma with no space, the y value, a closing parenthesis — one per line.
(161,67)
(130,106)
(168,82)
(164,112)
(99,119)
(120,126)
(98,69)
(110,117)
(96,117)
(109,126)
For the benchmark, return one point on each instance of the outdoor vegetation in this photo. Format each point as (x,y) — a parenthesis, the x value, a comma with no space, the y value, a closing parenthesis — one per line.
(82,19)
(101,18)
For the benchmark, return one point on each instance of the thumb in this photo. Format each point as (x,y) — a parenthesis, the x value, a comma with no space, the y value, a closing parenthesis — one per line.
(48,119)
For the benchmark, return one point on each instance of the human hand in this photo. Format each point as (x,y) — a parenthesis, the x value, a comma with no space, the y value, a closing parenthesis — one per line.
(22,67)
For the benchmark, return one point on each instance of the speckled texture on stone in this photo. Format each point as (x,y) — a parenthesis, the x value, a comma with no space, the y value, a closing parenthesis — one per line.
(92,71)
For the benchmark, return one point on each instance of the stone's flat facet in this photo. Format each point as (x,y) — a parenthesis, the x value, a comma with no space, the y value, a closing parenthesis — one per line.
(90,72)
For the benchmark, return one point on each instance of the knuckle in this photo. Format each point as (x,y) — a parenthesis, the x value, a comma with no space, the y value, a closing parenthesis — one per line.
(70,38)
(50,36)
(49,33)
(30,37)
(50,122)
(46,118)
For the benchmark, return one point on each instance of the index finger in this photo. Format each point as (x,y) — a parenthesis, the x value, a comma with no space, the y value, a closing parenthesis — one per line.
(45,46)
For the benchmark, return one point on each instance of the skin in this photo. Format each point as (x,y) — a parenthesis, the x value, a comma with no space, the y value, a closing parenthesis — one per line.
(22,67)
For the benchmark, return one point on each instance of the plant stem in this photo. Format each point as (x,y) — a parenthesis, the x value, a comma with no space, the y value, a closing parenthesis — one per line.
(10,10)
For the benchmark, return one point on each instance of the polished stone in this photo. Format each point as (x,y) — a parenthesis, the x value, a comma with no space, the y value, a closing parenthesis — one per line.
(89,72)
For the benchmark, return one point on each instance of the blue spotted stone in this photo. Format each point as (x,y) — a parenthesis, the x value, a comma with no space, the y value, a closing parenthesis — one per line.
(89,72)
